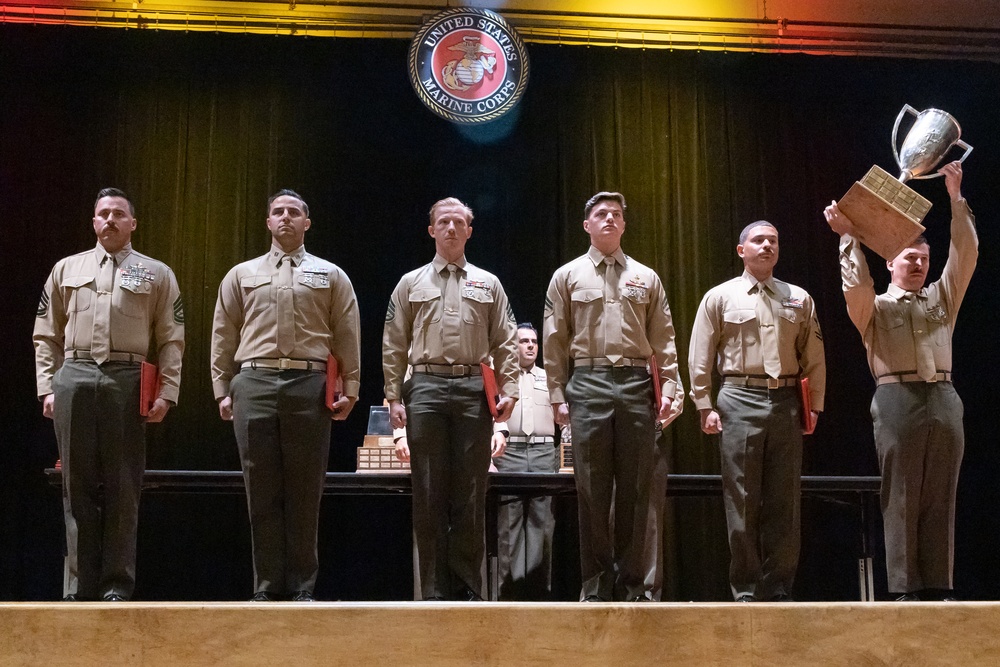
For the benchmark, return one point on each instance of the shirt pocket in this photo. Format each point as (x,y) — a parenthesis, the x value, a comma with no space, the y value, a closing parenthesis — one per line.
(425,302)
(79,291)
(257,294)
(741,324)
(587,304)
(541,394)
(133,299)
(788,322)
(938,326)
(476,306)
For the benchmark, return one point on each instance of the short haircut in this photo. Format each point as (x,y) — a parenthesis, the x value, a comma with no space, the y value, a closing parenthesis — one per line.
(115,192)
(920,240)
(450,201)
(285,192)
(528,325)
(603,196)
(746,230)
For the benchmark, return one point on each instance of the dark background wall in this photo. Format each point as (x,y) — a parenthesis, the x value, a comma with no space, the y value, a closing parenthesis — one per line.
(200,128)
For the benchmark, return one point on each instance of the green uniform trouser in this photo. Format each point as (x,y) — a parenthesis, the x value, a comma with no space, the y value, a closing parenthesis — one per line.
(103,452)
(283,432)
(448,428)
(761,447)
(611,415)
(654,522)
(525,527)
(920,442)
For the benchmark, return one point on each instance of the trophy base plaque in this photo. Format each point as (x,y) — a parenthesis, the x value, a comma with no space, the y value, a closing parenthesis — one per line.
(885,212)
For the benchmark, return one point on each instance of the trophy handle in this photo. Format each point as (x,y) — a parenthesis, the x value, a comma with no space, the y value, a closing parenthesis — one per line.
(960,144)
(895,128)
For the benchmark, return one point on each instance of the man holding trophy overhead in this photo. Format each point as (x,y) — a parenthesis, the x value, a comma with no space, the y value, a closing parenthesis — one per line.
(917,414)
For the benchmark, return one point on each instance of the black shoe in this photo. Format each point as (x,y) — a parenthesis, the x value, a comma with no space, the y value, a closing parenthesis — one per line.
(263,596)
(72,597)
(468,595)
(434,598)
(640,598)
(937,595)
(114,597)
(303,596)
(781,597)
(908,597)
(746,597)
(594,598)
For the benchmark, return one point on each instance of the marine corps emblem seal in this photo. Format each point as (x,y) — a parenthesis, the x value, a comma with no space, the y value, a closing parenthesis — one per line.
(468,65)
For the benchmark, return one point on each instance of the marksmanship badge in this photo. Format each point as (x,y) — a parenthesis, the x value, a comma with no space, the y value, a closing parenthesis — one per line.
(468,65)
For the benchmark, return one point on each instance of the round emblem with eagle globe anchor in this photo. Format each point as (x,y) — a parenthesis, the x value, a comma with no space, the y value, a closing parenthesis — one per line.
(468,65)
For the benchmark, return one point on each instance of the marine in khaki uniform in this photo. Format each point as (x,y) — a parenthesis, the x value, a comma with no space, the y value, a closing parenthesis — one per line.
(605,315)
(444,319)
(525,527)
(277,319)
(101,312)
(762,336)
(916,411)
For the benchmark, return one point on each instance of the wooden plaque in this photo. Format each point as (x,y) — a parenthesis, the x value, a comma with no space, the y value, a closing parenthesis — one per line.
(885,212)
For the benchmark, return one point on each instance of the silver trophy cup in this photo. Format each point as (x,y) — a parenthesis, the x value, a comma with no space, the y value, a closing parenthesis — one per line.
(930,138)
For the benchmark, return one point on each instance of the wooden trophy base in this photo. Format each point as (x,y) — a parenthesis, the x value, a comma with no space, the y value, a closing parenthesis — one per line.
(885,212)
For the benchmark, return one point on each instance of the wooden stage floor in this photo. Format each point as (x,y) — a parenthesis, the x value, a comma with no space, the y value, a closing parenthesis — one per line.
(426,633)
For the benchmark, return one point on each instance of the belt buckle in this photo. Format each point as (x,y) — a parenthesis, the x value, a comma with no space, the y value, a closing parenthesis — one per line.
(458,371)
(284,363)
(772,383)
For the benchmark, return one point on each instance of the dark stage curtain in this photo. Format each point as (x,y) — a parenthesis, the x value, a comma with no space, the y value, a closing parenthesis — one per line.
(200,128)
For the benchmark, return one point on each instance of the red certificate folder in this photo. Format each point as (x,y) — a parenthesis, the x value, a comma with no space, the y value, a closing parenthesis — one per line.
(149,387)
(654,373)
(808,423)
(490,387)
(334,383)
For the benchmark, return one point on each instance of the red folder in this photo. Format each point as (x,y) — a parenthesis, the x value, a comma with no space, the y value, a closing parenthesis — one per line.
(490,387)
(149,387)
(654,373)
(334,383)
(808,423)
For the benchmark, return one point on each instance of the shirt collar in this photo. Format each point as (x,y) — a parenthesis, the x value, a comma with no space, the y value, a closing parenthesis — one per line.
(440,263)
(276,253)
(597,257)
(751,282)
(898,293)
(119,256)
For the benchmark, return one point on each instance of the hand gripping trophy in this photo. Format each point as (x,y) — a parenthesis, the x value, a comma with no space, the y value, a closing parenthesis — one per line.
(886,212)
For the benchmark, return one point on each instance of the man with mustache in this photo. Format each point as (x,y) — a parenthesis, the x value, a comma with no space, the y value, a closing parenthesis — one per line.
(277,320)
(916,411)
(101,312)
(605,316)
(764,337)
(444,319)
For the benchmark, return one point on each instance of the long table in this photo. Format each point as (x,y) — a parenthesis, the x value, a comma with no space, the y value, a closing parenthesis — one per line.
(860,491)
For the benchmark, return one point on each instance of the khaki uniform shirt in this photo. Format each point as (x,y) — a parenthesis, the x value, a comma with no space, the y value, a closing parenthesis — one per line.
(146,307)
(420,328)
(577,314)
(246,317)
(727,334)
(894,323)
(533,388)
